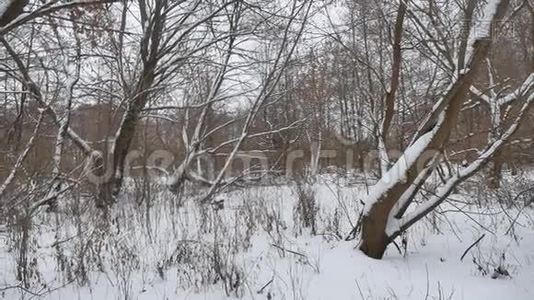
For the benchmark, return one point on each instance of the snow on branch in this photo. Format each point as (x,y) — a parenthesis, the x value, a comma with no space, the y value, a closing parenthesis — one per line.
(399,171)
(23,155)
(45,9)
(37,95)
(399,225)
(482,29)
(4,5)
(520,92)
(478,43)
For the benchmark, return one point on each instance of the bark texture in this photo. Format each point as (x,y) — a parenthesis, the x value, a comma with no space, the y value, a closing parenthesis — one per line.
(13,10)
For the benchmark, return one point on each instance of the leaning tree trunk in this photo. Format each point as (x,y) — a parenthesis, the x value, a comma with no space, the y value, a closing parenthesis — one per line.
(374,238)
(112,186)
(432,136)
(150,56)
(375,220)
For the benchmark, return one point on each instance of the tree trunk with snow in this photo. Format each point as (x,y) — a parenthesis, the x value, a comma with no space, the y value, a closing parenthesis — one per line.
(389,199)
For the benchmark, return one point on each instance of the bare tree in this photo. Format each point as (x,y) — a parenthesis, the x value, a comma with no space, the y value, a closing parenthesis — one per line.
(385,215)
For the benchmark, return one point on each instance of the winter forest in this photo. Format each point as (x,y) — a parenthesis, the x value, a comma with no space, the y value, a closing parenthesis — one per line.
(266,149)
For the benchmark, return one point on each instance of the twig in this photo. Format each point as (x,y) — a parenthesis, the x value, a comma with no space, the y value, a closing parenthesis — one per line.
(472,245)
(265,286)
(397,246)
(290,251)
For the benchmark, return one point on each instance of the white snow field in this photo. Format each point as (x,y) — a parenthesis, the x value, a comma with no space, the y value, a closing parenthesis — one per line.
(254,246)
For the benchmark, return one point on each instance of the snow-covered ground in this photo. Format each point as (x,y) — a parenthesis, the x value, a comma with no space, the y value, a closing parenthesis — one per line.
(254,246)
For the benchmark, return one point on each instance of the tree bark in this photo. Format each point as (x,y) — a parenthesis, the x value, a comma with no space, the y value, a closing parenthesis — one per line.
(13,11)
(374,238)
(111,188)
(149,53)
(495,173)
(438,125)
